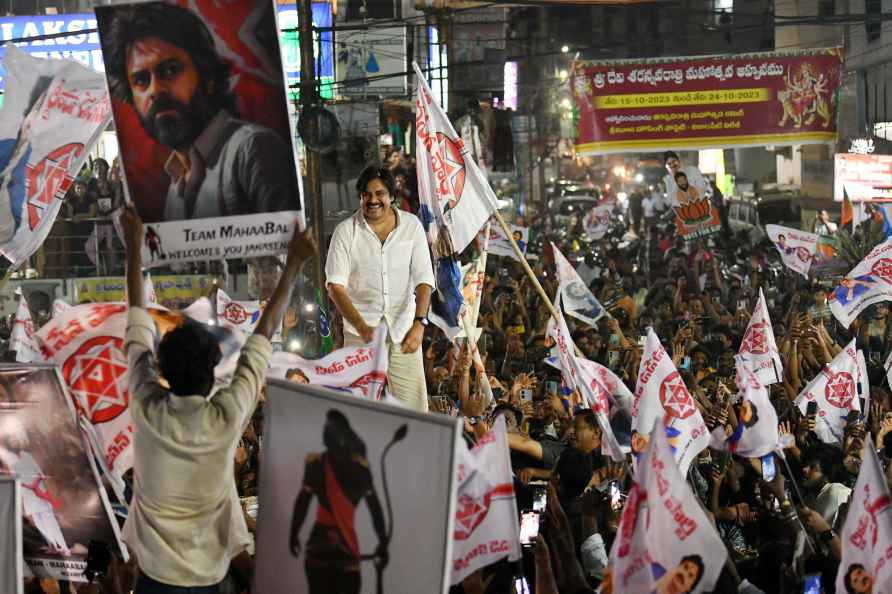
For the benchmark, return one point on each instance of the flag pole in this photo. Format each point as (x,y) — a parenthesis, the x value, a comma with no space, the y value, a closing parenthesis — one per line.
(526,265)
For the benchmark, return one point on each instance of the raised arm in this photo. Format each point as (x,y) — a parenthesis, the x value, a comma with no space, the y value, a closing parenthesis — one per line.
(302,248)
(133,235)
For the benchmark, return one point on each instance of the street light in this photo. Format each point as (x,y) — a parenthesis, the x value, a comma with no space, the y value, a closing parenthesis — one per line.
(563,74)
(565,49)
(565,103)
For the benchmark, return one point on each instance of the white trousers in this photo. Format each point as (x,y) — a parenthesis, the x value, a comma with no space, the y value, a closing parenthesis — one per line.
(405,373)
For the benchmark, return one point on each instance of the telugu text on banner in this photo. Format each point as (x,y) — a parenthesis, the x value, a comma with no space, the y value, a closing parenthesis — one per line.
(711,102)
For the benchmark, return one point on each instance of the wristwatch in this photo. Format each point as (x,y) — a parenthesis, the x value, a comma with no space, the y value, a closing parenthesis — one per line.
(424,321)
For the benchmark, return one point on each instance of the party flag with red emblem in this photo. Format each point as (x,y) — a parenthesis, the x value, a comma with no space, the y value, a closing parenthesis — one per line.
(662,397)
(838,390)
(486,527)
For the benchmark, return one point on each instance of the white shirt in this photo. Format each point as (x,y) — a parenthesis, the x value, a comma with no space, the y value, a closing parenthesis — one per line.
(695,180)
(185,523)
(649,206)
(828,501)
(380,278)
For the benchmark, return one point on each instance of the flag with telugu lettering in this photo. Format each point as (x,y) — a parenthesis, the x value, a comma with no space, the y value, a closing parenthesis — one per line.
(661,396)
(448,176)
(486,520)
(361,371)
(869,282)
(758,345)
(576,375)
(455,199)
(21,339)
(53,113)
(836,389)
(797,248)
(579,302)
(86,342)
(665,542)
(866,537)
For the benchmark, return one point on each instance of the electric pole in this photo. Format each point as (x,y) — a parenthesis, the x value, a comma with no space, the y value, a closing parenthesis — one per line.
(309,96)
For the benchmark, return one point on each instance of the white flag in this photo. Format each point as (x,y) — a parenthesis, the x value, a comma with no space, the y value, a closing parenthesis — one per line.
(618,390)
(836,390)
(361,371)
(596,222)
(797,248)
(21,339)
(869,282)
(486,525)
(759,346)
(148,288)
(86,342)
(448,173)
(661,396)
(665,542)
(60,307)
(578,299)
(584,378)
(756,434)
(53,113)
(500,245)
(241,315)
(866,538)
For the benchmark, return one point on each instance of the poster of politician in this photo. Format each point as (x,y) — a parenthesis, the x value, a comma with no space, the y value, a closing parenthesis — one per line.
(63,505)
(199,102)
(355,496)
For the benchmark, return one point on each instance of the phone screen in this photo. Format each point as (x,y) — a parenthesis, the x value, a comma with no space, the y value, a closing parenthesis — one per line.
(768,469)
(811,409)
(529,528)
(615,495)
(551,387)
(813,584)
(539,498)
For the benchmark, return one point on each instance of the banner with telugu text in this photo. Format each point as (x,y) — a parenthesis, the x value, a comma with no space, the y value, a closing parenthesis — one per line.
(778,98)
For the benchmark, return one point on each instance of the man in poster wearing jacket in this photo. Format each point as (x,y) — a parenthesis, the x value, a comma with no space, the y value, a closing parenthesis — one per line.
(162,60)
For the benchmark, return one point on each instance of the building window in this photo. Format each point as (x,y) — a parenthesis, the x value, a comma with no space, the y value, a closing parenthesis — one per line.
(873,26)
(826,8)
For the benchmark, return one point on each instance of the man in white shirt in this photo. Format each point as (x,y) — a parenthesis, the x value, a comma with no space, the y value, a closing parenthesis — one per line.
(694,177)
(828,496)
(185,523)
(378,271)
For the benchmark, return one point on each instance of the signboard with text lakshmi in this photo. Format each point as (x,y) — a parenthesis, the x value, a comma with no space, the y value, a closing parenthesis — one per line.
(712,102)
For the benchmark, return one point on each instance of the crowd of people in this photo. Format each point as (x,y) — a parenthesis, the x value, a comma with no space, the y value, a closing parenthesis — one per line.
(697,297)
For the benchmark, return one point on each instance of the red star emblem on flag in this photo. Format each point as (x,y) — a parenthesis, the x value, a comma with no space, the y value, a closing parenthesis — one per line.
(840,390)
(235,313)
(754,340)
(883,269)
(453,168)
(471,512)
(97,375)
(675,398)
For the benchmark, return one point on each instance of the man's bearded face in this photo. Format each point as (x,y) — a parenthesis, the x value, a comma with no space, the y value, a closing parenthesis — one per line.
(168,93)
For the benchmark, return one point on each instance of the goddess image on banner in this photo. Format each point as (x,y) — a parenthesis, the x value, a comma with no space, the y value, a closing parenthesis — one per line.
(199,102)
